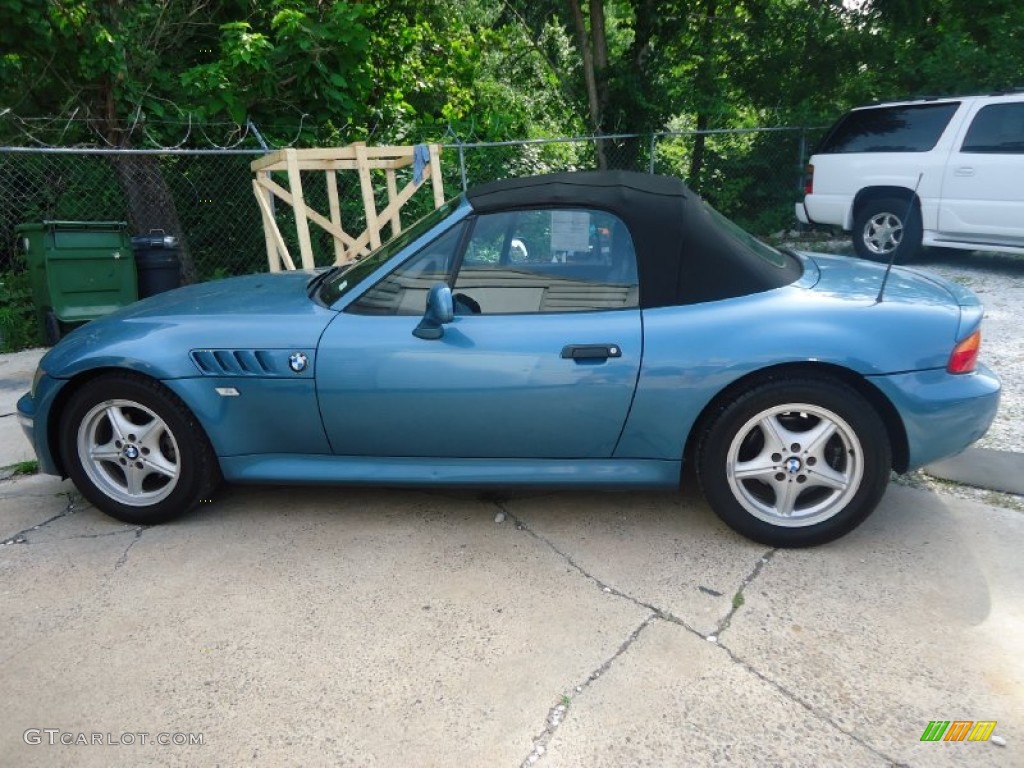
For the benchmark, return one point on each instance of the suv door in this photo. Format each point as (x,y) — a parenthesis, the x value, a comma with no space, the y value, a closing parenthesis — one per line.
(982,194)
(540,361)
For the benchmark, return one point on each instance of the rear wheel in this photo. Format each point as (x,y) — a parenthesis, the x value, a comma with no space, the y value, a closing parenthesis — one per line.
(795,462)
(887,228)
(135,450)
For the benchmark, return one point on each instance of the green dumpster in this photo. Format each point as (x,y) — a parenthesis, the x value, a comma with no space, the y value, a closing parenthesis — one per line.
(79,270)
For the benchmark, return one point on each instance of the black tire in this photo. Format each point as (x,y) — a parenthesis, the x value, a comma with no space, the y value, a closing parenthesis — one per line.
(51,325)
(791,494)
(887,226)
(135,450)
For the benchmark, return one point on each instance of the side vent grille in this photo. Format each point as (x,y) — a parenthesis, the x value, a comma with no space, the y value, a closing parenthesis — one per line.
(239,362)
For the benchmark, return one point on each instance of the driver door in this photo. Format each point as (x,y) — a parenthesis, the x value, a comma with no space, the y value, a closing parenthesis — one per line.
(541,360)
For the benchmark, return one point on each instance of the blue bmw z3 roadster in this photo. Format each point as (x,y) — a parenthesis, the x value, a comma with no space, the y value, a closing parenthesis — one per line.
(593,329)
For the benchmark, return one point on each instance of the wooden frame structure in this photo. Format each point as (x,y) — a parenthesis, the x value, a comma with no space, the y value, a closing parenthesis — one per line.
(355,157)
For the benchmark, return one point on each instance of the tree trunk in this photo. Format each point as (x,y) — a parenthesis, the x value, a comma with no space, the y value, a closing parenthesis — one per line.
(589,72)
(705,84)
(151,204)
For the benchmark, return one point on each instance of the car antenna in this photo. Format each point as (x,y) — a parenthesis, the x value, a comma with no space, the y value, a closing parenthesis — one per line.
(892,258)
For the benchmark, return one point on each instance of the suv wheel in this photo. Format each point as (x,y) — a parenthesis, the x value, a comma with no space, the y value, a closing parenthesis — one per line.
(887,228)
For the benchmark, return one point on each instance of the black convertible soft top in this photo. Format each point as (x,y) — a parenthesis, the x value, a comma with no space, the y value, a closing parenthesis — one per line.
(684,255)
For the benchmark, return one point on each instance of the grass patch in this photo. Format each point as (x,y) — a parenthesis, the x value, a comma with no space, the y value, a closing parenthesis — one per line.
(29,467)
(738,600)
(1005,500)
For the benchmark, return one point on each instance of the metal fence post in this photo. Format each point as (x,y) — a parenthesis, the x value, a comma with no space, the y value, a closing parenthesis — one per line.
(654,138)
(801,159)
(462,165)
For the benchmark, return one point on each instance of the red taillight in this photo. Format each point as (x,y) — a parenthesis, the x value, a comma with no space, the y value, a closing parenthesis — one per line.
(965,354)
(809,180)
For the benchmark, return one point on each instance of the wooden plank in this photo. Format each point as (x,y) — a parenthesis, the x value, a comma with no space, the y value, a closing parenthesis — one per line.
(375,153)
(356,156)
(349,152)
(335,208)
(273,257)
(316,218)
(348,157)
(396,220)
(369,204)
(347,165)
(271,232)
(435,176)
(387,213)
(264,163)
(299,206)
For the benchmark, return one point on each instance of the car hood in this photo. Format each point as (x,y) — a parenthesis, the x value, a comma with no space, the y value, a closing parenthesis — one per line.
(157,335)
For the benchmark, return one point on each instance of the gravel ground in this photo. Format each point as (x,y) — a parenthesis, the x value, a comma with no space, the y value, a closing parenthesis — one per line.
(998,280)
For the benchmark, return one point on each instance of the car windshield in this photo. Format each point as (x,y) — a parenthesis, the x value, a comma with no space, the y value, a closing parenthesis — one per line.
(339,284)
(750,243)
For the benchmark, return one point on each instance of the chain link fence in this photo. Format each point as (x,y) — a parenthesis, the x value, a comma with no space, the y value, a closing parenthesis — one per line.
(753,176)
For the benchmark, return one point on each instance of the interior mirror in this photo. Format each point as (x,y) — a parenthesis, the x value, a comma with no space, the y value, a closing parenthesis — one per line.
(440,310)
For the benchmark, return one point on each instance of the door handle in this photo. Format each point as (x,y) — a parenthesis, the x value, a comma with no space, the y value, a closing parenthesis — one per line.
(964,171)
(591,351)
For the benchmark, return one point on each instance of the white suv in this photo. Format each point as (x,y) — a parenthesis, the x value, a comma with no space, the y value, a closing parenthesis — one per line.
(936,172)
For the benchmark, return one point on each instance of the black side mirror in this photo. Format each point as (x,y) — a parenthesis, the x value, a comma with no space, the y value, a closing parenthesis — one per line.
(440,310)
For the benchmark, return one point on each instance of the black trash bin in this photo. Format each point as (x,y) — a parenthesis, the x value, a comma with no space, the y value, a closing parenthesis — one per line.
(157,261)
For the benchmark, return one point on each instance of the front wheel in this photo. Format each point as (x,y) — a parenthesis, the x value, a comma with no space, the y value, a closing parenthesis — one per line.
(888,228)
(135,450)
(795,462)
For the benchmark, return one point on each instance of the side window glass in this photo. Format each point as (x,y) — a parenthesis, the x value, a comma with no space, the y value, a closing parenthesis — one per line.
(488,243)
(404,291)
(550,260)
(996,129)
(910,128)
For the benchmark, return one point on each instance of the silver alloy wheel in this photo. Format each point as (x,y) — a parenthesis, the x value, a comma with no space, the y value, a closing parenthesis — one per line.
(128,453)
(795,465)
(883,233)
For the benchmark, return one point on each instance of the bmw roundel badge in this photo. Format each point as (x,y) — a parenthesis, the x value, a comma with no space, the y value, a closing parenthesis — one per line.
(298,361)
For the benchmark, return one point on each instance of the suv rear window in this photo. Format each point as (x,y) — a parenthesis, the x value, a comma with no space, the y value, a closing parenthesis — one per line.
(910,128)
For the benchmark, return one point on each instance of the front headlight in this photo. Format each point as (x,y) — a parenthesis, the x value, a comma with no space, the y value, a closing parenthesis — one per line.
(35,379)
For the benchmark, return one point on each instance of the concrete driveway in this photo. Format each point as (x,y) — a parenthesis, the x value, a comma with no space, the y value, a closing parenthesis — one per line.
(351,627)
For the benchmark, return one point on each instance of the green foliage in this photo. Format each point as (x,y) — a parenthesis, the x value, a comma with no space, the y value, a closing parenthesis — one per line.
(18,326)
(287,55)
(398,70)
(216,207)
(328,72)
(750,177)
(945,46)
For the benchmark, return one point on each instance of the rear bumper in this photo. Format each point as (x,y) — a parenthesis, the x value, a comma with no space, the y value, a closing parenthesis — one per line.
(832,210)
(942,414)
